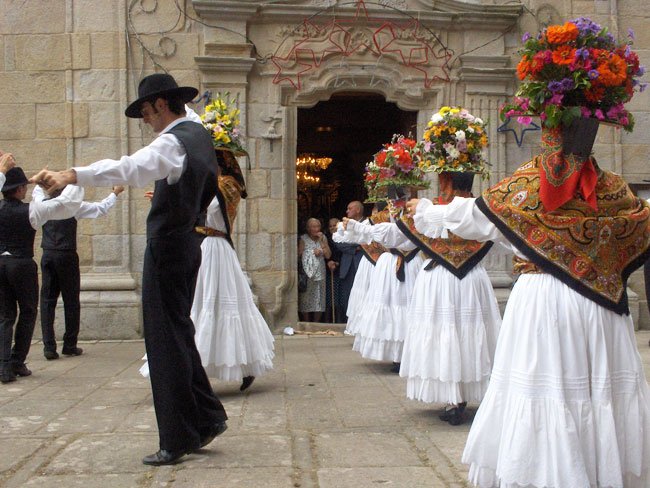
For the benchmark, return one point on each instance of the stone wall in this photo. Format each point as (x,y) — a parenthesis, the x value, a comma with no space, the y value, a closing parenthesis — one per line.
(68,69)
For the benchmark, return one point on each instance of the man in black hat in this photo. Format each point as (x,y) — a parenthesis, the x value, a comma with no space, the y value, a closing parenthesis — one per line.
(18,272)
(181,160)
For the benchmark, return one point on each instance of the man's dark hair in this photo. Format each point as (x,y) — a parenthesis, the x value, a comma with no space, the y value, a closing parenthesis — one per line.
(175,104)
(7,195)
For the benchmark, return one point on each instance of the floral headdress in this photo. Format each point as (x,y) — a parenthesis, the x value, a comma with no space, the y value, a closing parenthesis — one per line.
(576,70)
(454,140)
(398,164)
(221,118)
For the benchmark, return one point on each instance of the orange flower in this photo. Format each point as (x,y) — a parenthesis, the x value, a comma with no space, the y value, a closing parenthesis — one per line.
(523,68)
(564,55)
(560,34)
(595,94)
(613,71)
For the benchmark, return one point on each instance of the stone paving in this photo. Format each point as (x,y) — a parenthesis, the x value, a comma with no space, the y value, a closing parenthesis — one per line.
(324,418)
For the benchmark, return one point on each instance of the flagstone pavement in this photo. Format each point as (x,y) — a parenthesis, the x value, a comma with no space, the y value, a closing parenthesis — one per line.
(324,418)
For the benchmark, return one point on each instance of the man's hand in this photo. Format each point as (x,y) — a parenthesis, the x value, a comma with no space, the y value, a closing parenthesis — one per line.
(411,205)
(148,195)
(118,189)
(54,180)
(345,223)
(7,162)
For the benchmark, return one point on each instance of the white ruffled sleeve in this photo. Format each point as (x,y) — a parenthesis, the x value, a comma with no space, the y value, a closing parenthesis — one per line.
(389,235)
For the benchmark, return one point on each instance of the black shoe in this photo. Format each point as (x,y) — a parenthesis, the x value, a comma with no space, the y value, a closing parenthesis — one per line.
(448,414)
(7,376)
(49,355)
(455,417)
(395,368)
(246,382)
(217,429)
(73,351)
(164,457)
(20,369)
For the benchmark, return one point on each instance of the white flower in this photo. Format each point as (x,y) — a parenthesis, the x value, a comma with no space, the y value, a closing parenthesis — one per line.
(460,135)
(470,130)
(435,118)
(478,121)
(452,152)
(209,116)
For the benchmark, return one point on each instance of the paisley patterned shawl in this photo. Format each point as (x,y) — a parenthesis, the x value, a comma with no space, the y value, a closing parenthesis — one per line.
(229,195)
(592,251)
(458,256)
(373,250)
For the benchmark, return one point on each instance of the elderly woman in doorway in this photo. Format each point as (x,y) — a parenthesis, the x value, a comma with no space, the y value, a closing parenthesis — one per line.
(313,249)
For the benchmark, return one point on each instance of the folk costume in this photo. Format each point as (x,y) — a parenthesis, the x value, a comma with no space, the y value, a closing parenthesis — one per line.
(182,163)
(568,403)
(454,323)
(382,317)
(18,272)
(60,274)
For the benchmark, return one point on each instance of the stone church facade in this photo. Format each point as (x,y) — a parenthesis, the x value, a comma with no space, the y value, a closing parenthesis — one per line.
(69,68)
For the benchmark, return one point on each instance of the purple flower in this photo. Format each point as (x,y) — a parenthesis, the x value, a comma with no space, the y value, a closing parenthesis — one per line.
(642,87)
(641,71)
(593,74)
(586,26)
(567,84)
(628,50)
(555,86)
(525,37)
(582,53)
(556,99)
(630,33)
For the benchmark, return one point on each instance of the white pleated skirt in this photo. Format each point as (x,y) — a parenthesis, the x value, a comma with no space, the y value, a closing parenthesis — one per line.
(568,404)
(382,317)
(357,293)
(231,335)
(451,337)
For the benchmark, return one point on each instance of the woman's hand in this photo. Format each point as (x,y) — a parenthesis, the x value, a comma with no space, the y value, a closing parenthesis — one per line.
(411,205)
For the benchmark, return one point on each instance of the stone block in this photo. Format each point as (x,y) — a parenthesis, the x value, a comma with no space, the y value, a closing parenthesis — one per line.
(22,449)
(43,52)
(139,208)
(107,50)
(258,477)
(115,320)
(34,155)
(259,256)
(105,119)
(96,17)
(402,477)
(22,87)
(257,183)
(80,51)
(365,449)
(84,249)
(77,120)
(252,214)
(108,250)
(266,158)
(264,284)
(18,121)
(20,17)
(138,244)
(271,212)
(88,151)
(101,85)
(50,120)
(278,183)
(176,51)
(635,158)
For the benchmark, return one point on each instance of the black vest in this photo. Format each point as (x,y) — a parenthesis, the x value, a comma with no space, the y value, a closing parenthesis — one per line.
(60,235)
(16,233)
(176,209)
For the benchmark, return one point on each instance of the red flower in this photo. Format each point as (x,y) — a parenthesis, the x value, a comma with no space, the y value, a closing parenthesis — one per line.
(564,55)
(380,158)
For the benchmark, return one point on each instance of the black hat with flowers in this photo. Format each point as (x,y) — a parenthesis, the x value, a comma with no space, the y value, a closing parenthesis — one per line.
(158,85)
(15,178)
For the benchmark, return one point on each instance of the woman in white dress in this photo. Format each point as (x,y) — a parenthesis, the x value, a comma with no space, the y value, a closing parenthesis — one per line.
(382,317)
(568,404)
(313,249)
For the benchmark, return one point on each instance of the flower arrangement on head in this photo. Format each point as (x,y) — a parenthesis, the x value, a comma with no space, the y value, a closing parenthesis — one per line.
(221,118)
(576,70)
(399,164)
(454,141)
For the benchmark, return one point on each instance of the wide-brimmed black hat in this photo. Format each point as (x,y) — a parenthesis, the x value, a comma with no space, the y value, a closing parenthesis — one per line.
(15,178)
(158,85)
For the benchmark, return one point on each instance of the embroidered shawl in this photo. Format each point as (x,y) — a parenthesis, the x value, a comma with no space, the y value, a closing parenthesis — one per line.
(593,251)
(457,255)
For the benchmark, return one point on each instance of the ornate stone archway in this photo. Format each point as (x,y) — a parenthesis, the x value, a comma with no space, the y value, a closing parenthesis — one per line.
(301,52)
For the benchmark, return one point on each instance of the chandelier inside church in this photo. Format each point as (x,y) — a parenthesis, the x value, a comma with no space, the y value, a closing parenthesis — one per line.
(308,166)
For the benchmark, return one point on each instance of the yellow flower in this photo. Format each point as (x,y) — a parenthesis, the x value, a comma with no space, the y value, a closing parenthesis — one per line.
(444,110)
(454,111)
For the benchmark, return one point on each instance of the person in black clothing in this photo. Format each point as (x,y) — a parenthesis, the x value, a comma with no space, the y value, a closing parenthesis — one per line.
(18,272)
(351,255)
(182,162)
(60,274)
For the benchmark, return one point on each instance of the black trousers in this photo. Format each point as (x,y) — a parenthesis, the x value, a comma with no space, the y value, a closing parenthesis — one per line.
(60,276)
(18,290)
(186,407)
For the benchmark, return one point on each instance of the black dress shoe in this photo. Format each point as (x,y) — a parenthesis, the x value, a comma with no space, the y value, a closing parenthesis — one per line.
(7,376)
(164,457)
(447,414)
(455,417)
(21,369)
(246,382)
(73,351)
(50,355)
(217,429)
(395,368)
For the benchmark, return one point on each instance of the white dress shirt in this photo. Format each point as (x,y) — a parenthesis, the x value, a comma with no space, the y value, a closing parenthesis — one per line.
(164,158)
(87,210)
(62,207)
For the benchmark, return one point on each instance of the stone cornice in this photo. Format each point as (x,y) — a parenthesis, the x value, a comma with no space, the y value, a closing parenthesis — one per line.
(447,14)
(224,64)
